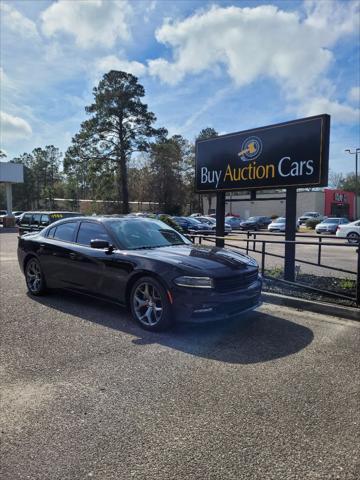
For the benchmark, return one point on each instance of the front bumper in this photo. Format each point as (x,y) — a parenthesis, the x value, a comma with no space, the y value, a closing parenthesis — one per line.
(325,230)
(201,305)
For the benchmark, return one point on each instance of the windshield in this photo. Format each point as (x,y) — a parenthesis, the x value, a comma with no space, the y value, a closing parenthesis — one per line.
(193,221)
(332,220)
(137,234)
(252,219)
(279,220)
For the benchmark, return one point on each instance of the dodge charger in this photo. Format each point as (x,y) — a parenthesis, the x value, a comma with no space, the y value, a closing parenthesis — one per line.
(143,264)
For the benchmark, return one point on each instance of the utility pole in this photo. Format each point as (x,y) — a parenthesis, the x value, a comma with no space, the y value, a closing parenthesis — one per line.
(356,153)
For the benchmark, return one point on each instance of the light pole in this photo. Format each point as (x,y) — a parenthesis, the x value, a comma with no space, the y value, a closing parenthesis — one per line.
(356,153)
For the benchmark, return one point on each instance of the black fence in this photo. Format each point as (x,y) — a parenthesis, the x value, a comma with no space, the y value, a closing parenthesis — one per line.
(252,243)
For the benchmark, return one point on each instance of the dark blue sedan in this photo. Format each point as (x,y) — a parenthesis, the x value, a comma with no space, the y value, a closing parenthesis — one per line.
(143,264)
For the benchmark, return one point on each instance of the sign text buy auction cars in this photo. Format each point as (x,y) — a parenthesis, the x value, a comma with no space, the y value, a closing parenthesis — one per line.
(291,154)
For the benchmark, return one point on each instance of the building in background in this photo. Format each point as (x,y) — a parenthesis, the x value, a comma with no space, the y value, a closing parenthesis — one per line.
(328,202)
(339,203)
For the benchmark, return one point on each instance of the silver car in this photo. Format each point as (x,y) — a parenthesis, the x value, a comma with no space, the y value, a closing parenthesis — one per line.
(277,225)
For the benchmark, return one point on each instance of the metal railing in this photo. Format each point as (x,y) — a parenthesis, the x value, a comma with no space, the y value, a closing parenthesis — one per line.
(252,242)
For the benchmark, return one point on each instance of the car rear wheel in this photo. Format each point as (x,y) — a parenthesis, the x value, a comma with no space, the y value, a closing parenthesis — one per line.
(150,306)
(353,237)
(34,276)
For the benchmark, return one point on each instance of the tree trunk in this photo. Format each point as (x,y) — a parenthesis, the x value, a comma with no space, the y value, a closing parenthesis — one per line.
(124,184)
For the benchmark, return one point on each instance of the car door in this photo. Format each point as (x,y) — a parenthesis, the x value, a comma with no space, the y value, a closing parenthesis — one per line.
(56,255)
(99,271)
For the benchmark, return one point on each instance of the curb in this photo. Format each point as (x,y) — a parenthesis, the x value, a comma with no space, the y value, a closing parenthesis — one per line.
(316,307)
(8,230)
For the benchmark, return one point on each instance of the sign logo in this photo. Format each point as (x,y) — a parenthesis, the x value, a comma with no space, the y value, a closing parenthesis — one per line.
(250,149)
(340,197)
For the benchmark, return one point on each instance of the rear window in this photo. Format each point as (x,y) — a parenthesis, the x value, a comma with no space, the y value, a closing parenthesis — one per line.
(25,221)
(65,231)
(45,220)
(35,222)
(51,232)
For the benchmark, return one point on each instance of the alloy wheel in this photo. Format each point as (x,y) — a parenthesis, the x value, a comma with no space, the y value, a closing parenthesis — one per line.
(353,237)
(147,304)
(34,276)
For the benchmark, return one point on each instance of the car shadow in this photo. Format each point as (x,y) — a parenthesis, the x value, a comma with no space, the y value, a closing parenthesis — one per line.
(253,338)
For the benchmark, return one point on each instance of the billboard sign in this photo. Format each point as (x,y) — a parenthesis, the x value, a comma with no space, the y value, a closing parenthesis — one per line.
(11,172)
(291,154)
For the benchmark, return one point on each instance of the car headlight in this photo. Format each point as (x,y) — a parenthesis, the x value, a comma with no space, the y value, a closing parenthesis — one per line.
(194,282)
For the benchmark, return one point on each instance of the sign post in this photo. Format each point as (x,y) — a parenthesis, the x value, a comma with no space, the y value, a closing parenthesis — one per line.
(220,219)
(282,156)
(290,234)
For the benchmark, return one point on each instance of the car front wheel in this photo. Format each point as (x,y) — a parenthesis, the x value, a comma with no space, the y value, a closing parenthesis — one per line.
(34,276)
(353,237)
(150,306)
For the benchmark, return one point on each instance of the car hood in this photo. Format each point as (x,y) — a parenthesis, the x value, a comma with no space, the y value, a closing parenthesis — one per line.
(199,258)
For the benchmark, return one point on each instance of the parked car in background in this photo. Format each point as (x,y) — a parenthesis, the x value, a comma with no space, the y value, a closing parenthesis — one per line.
(234,222)
(144,264)
(309,215)
(277,225)
(36,221)
(196,215)
(17,214)
(212,223)
(255,223)
(2,215)
(329,225)
(351,231)
(191,225)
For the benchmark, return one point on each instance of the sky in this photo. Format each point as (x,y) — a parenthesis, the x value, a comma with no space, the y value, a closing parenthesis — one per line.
(231,65)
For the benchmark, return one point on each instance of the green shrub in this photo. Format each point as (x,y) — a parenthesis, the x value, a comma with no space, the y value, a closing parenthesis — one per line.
(312,222)
(169,221)
(347,284)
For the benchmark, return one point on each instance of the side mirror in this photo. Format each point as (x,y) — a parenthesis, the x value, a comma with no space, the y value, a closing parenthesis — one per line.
(100,244)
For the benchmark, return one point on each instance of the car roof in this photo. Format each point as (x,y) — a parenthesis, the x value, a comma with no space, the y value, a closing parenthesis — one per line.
(50,212)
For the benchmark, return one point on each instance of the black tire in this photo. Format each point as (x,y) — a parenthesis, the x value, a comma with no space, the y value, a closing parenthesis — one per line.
(353,237)
(34,277)
(152,294)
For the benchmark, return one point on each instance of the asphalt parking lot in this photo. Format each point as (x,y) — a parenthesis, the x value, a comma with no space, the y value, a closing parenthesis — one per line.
(88,394)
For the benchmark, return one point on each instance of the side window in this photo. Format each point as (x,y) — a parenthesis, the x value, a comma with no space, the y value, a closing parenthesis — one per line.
(25,221)
(44,222)
(35,222)
(91,231)
(51,232)
(65,231)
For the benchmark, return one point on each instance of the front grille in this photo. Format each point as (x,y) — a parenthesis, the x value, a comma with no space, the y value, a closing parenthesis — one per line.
(236,307)
(238,282)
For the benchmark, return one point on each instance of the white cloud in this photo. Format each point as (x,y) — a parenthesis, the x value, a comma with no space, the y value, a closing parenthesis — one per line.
(3,76)
(17,22)
(112,62)
(354,95)
(13,128)
(261,42)
(91,22)
(340,112)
